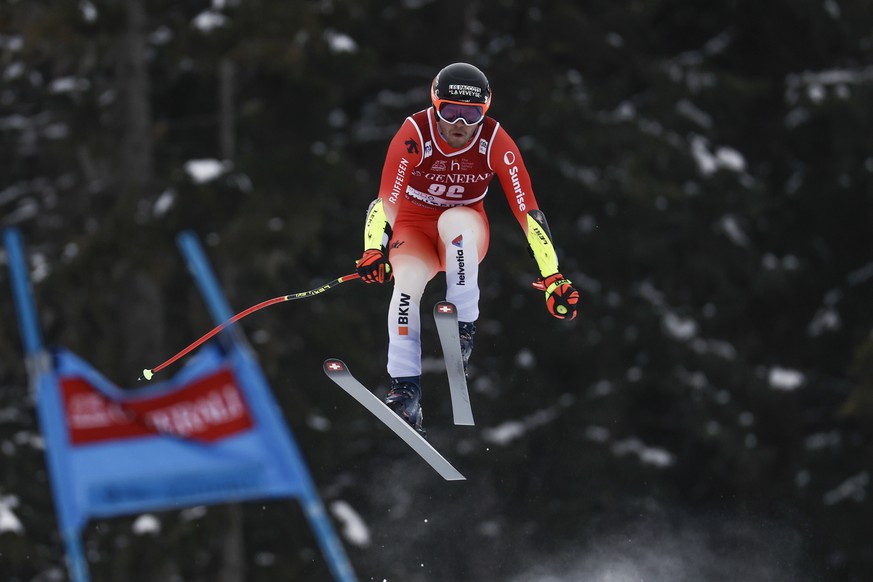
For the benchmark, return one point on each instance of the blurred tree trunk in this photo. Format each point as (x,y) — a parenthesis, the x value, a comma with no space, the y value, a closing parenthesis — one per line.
(135,174)
(227,109)
(232,542)
(143,329)
(136,164)
(232,547)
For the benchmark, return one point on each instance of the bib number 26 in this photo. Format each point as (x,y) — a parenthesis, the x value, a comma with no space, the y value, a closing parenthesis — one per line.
(443,191)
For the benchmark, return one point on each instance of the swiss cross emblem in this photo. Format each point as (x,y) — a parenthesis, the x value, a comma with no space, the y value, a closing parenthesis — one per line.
(334,366)
(446,308)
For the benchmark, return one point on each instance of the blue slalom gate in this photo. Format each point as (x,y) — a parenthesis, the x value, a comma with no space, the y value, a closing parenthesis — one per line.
(211,434)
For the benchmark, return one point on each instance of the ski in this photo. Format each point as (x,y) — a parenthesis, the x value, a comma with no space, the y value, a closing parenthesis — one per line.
(337,371)
(446,316)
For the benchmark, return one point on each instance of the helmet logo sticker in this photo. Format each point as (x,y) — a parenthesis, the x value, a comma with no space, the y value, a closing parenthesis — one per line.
(465,91)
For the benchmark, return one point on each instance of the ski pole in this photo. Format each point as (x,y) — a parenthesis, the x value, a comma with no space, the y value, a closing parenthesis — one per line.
(149,372)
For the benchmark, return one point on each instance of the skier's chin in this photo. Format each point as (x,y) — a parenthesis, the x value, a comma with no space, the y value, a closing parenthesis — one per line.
(457,139)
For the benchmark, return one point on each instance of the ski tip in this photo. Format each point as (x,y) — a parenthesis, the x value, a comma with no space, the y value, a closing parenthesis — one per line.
(146,374)
(333,365)
(444,307)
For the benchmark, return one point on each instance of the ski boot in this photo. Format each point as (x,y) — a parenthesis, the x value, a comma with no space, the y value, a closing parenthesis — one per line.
(466,331)
(404,398)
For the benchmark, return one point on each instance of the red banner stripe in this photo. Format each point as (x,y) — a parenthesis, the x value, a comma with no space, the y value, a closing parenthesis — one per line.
(208,409)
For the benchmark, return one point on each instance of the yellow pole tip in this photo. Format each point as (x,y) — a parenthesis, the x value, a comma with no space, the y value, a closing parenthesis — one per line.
(147,374)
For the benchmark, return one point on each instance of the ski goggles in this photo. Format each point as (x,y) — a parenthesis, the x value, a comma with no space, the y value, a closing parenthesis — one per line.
(452,112)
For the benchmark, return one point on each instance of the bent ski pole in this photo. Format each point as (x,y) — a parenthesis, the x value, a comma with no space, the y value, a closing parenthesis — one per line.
(149,372)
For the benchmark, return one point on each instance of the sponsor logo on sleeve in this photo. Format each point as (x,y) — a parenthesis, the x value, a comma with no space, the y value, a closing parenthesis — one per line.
(399,178)
(509,160)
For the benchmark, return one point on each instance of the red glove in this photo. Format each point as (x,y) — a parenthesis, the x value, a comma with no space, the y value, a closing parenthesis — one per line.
(561,297)
(373,266)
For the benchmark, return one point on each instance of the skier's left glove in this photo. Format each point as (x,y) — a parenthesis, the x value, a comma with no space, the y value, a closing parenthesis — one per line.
(373,266)
(561,296)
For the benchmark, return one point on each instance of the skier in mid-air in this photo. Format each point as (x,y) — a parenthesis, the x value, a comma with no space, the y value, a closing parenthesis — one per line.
(430,217)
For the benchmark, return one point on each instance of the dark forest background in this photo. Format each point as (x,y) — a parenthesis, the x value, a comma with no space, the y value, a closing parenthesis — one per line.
(706,171)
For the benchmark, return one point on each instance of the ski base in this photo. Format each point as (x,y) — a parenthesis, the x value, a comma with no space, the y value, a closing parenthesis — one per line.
(445,315)
(337,371)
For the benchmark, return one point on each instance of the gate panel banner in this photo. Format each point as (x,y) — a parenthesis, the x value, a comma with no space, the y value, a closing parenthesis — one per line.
(193,440)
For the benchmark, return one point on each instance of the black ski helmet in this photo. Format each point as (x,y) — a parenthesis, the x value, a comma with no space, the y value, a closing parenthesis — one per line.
(461,83)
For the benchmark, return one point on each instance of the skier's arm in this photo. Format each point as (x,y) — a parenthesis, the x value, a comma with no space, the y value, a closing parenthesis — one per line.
(404,153)
(561,296)
(506,161)
(373,266)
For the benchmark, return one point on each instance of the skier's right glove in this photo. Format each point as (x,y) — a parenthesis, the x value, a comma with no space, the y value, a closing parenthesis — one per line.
(561,296)
(373,266)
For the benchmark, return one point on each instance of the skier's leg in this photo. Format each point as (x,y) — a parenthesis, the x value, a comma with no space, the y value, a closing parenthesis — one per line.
(464,234)
(414,261)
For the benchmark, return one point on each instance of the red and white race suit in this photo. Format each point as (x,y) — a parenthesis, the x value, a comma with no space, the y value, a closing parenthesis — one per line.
(433,197)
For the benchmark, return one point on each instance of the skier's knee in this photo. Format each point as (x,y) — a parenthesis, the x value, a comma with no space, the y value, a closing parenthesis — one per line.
(456,220)
(411,274)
